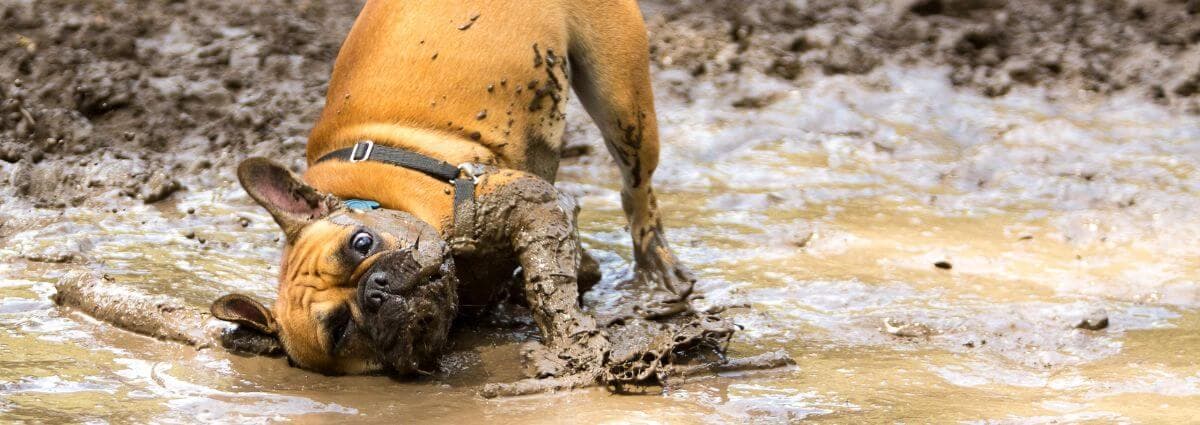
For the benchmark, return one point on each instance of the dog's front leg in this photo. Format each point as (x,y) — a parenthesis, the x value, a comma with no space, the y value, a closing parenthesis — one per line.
(538,222)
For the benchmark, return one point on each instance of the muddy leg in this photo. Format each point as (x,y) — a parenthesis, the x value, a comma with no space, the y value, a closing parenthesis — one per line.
(539,223)
(589,275)
(611,72)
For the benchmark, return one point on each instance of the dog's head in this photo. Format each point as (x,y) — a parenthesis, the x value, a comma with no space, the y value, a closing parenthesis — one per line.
(359,291)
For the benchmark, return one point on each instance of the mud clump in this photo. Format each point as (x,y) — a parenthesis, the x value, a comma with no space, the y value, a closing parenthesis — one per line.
(1094,321)
(645,353)
(1105,46)
(157,186)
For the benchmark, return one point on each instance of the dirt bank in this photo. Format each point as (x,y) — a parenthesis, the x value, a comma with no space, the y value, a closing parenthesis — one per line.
(1150,47)
(134,97)
(142,98)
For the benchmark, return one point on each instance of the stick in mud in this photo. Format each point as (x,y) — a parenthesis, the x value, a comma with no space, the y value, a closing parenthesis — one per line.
(157,316)
(765,361)
(168,318)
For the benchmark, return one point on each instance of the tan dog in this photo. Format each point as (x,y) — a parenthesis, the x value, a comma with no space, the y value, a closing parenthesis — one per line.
(460,81)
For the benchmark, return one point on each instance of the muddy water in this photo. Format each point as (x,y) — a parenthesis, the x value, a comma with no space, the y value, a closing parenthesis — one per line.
(819,213)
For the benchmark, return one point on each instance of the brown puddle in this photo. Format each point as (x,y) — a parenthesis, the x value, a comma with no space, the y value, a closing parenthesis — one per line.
(825,212)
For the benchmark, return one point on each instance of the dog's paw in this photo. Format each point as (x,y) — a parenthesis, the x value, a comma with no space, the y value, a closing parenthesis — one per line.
(540,362)
(585,353)
(658,268)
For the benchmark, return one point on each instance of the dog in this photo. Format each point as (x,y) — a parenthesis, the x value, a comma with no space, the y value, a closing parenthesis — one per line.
(430,181)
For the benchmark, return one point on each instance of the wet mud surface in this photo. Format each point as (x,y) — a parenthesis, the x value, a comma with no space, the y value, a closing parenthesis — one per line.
(1146,47)
(939,209)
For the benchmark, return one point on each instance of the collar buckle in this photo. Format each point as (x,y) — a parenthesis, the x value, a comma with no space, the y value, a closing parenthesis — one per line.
(365,147)
(471,171)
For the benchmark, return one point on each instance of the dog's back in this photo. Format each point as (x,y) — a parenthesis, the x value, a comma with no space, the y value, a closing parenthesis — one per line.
(459,80)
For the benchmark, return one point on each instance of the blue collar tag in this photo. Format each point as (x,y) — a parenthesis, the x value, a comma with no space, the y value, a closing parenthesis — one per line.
(361,204)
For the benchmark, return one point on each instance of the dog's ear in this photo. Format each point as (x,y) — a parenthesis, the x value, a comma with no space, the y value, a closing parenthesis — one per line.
(292,203)
(245,311)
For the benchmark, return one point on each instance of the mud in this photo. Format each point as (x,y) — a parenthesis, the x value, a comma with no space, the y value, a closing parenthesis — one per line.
(135,98)
(523,220)
(773,361)
(647,353)
(156,93)
(409,328)
(1151,48)
(819,197)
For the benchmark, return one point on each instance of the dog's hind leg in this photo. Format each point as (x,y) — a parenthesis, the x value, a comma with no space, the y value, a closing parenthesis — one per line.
(611,73)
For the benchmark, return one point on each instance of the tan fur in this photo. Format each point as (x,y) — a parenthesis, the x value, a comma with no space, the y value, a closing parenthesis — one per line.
(387,86)
(312,281)
(475,81)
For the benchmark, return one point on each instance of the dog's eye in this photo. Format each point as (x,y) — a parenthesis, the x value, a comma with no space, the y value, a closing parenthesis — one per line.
(362,243)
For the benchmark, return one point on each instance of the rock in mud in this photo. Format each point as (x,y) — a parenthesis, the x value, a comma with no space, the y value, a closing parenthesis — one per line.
(757,102)
(158,187)
(919,7)
(801,235)
(47,185)
(20,178)
(1094,321)
(576,150)
(905,329)
(10,151)
(105,87)
(71,251)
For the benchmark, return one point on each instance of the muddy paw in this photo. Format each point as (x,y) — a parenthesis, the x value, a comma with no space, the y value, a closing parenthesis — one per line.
(658,268)
(540,362)
(585,354)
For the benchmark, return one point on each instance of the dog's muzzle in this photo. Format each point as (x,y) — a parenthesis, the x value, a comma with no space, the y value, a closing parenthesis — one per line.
(408,300)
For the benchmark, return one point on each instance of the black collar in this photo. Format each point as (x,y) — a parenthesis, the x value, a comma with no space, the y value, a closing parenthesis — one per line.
(369,151)
(463,177)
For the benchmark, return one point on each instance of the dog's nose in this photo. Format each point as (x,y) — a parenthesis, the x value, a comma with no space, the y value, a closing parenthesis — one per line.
(378,280)
(374,294)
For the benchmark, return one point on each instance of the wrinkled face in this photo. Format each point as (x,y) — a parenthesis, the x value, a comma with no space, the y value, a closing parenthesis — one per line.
(359,291)
(363,292)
